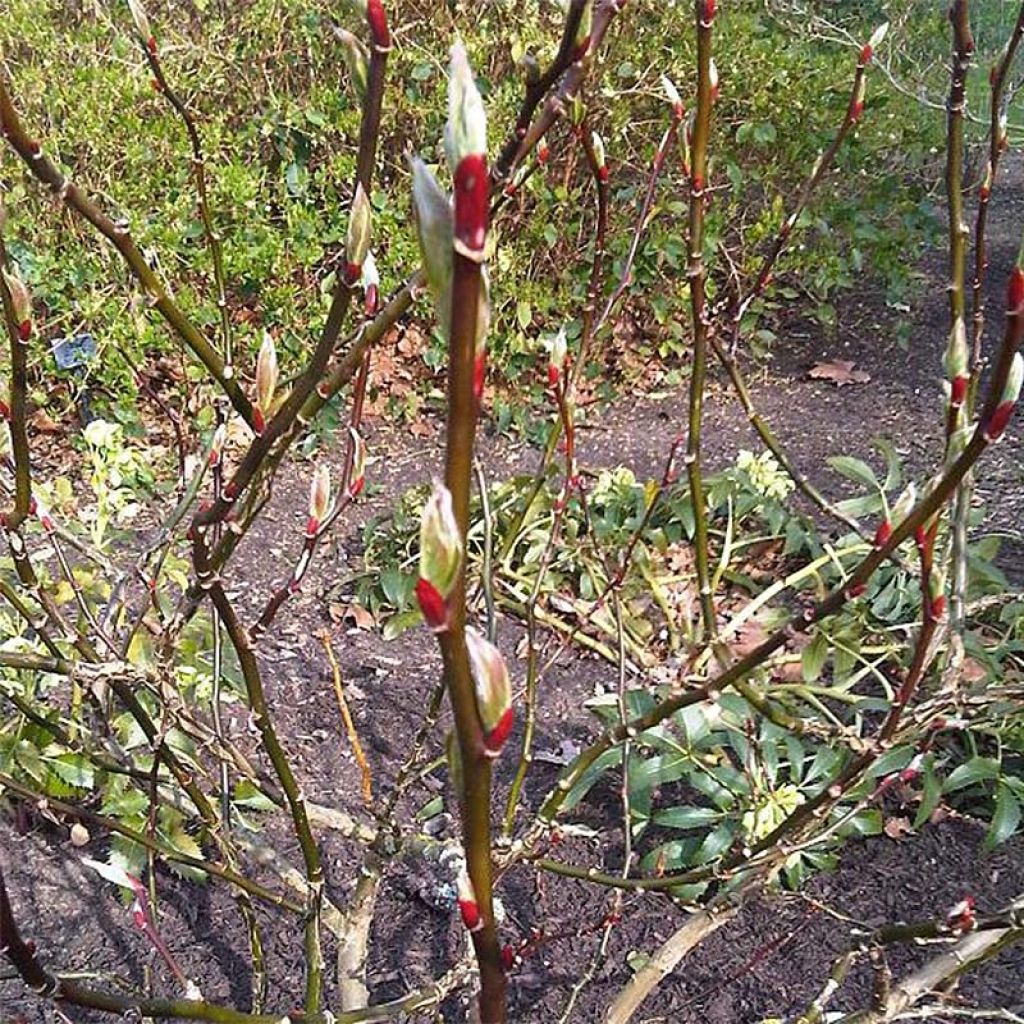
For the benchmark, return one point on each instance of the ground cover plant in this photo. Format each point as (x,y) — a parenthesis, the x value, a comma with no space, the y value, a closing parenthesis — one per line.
(776,682)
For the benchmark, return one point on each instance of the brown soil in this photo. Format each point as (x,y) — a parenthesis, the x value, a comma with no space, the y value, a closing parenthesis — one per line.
(774,957)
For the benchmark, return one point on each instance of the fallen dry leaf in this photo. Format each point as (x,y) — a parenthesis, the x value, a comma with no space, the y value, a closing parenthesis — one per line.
(356,613)
(839,371)
(41,420)
(896,828)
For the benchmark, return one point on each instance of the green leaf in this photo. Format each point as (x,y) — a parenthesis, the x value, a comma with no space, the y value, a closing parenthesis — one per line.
(399,624)
(524,314)
(247,795)
(1006,819)
(893,471)
(687,817)
(73,769)
(978,769)
(813,658)
(931,794)
(715,843)
(855,469)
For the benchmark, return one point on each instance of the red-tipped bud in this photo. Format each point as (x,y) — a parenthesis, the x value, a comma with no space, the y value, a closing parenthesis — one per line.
(217,445)
(912,771)
(600,157)
(319,496)
(466,143)
(1015,291)
(883,533)
(857,102)
(493,691)
(997,425)
(508,957)
(873,43)
(472,206)
(468,906)
(370,280)
(266,376)
(678,111)
(45,519)
(357,477)
(960,917)
(956,359)
(709,12)
(21,304)
(357,243)
(958,391)
(543,151)
(985,191)
(582,43)
(440,557)
(377,19)
(432,605)
(558,357)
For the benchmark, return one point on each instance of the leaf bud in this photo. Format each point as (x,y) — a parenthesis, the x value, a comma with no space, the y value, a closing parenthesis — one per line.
(600,156)
(357,59)
(319,498)
(674,98)
(468,906)
(857,103)
(996,426)
(440,557)
(357,477)
(21,304)
(955,363)
(266,379)
(357,243)
(558,355)
(370,281)
(493,691)
(217,445)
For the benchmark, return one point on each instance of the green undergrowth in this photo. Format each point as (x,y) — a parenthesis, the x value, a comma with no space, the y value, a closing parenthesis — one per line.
(721,774)
(266,83)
